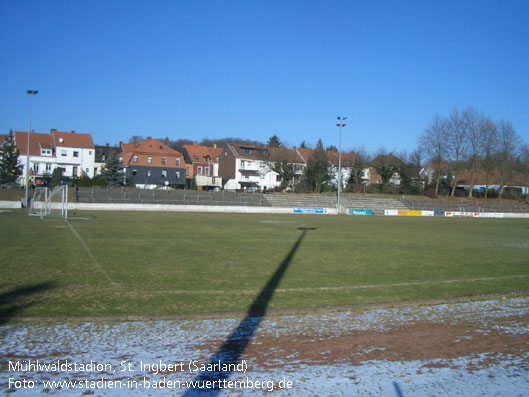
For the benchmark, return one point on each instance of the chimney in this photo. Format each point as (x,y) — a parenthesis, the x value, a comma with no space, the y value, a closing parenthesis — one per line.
(53,131)
(195,143)
(134,141)
(73,132)
(214,145)
(108,144)
(166,141)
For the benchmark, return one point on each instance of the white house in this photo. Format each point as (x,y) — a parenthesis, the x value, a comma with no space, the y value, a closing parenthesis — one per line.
(248,167)
(72,152)
(75,153)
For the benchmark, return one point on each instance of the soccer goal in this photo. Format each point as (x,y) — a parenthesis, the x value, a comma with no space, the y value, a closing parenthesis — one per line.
(50,203)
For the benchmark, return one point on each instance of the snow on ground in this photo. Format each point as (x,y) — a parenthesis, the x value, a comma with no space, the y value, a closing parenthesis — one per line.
(472,349)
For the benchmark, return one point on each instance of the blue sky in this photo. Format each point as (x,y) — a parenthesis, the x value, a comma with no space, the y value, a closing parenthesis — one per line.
(251,69)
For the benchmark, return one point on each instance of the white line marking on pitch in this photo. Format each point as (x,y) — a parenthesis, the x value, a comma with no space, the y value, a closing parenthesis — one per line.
(309,289)
(91,255)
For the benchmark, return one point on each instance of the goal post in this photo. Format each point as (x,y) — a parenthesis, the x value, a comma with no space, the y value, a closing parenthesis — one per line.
(50,203)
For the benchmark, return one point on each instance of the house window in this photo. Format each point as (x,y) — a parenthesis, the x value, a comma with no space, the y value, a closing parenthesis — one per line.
(149,160)
(149,173)
(164,174)
(89,152)
(74,171)
(75,153)
(87,170)
(36,167)
(177,174)
(103,157)
(133,172)
(207,170)
(199,170)
(48,167)
(135,159)
(64,153)
(177,161)
(164,160)
(195,157)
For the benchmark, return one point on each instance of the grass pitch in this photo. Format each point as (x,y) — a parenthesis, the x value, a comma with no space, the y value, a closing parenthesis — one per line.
(127,264)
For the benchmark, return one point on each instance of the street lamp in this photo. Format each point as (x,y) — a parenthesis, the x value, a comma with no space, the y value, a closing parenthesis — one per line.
(30,93)
(340,125)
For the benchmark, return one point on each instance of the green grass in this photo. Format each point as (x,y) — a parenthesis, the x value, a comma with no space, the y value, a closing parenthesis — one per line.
(176,263)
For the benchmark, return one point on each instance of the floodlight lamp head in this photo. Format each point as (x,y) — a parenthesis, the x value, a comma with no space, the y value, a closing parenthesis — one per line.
(32,92)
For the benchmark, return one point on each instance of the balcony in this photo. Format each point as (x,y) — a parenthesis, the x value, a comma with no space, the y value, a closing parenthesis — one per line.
(210,181)
(249,166)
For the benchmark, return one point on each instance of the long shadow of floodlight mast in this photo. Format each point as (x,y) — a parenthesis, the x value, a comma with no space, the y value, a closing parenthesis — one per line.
(230,352)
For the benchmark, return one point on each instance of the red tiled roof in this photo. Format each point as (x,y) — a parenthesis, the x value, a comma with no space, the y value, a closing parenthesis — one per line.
(127,147)
(36,142)
(305,153)
(282,154)
(201,152)
(73,140)
(154,149)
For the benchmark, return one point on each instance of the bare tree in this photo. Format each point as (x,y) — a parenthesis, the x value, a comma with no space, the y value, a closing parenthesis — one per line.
(508,141)
(488,151)
(417,156)
(433,141)
(457,145)
(473,122)
(524,163)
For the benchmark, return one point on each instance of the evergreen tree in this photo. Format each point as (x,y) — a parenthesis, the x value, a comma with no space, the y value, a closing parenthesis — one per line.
(10,169)
(112,171)
(56,177)
(317,172)
(274,141)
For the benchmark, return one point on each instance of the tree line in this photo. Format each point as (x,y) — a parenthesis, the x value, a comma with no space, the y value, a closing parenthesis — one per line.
(468,141)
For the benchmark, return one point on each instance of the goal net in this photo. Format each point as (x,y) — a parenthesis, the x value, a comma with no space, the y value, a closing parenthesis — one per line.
(50,203)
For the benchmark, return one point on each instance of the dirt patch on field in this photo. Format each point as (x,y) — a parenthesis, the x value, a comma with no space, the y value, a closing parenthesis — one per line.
(420,341)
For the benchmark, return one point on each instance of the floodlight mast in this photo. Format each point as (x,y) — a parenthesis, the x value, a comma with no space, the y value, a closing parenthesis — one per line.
(30,93)
(340,125)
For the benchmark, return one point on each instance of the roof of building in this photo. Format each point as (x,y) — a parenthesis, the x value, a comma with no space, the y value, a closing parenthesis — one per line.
(36,143)
(105,151)
(149,148)
(197,153)
(249,151)
(73,140)
(265,153)
(282,154)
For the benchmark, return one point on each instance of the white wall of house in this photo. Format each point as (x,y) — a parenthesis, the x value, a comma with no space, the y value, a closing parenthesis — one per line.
(76,161)
(39,166)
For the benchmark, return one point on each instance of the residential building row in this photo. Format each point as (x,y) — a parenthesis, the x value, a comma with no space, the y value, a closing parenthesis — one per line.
(151,163)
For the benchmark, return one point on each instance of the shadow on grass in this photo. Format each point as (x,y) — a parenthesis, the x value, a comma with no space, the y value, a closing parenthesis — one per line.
(228,356)
(16,300)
